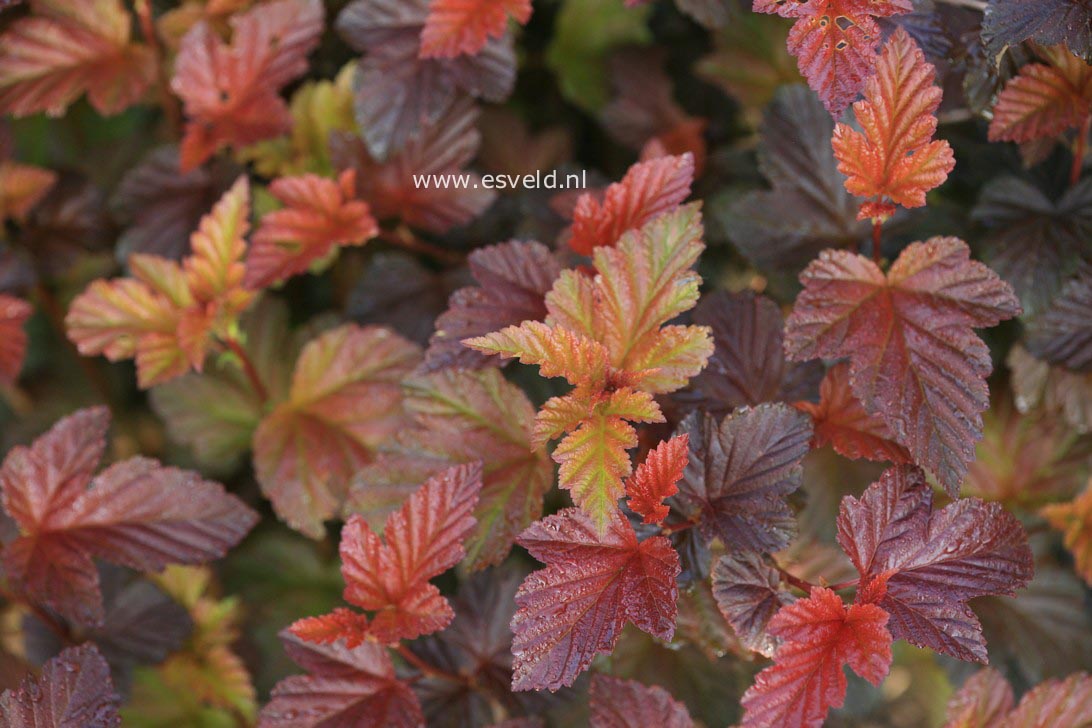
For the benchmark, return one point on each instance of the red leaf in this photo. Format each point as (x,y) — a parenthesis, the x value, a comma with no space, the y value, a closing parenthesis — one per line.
(985,700)
(14,313)
(390,576)
(65,49)
(230,92)
(739,474)
(648,190)
(463,27)
(841,420)
(913,357)
(73,690)
(22,187)
(136,513)
(923,566)
(591,586)
(629,704)
(748,593)
(319,214)
(407,185)
(807,678)
(343,687)
(1044,99)
(895,161)
(835,42)
(513,280)
(655,479)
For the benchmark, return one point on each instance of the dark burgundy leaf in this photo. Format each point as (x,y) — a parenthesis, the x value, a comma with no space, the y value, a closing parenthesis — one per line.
(808,209)
(73,691)
(513,280)
(344,688)
(748,592)
(1048,22)
(629,704)
(922,566)
(1063,333)
(748,365)
(739,473)
(70,221)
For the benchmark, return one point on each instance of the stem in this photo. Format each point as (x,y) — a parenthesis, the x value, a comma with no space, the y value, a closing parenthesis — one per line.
(844,584)
(248,368)
(877,240)
(804,586)
(979,5)
(404,238)
(167,100)
(1078,154)
(666,530)
(429,670)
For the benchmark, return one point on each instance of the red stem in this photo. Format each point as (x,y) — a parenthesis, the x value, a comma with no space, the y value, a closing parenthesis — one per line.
(666,530)
(167,100)
(844,585)
(431,671)
(1078,154)
(877,239)
(804,586)
(404,238)
(248,368)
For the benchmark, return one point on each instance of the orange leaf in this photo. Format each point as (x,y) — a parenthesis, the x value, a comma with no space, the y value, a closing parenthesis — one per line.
(841,420)
(895,161)
(463,27)
(1074,519)
(65,49)
(1044,99)
(22,186)
(230,92)
(834,42)
(319,214)
(656,478)
(649,189)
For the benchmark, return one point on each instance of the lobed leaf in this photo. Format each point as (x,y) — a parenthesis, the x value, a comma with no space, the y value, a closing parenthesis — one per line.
(922,566)
(913,357)
(593,583)
(821,636)
(629,704)
(1062,334)
(1074,520)
(14,313)
(1044,99)
(748,593)
(1048,22)
(463,27)
(22,187)
(74,689)
(655,479)
(894,159)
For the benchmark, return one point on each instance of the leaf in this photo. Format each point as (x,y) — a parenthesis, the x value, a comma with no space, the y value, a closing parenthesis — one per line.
(629,704)
(398,92)
(748,365)
(407,185)
(22,186)
(14,313)
(1048,22)
(748,592)
(477,644)
(1044,99)
(1055,389)
(655,479)
(895,161)
(1062,334)
(808,209)
(513,279)
(914,359)
(591,586)
(821,636)
(423,539)
(841,421)
(984,700)
(585,32)
(463,27)
(835,43)
(648,190)
(162,207)
(136,513)
(319,215)
(344,400)
(343,686)
(606,337)
(1074,520)
(1055,703)
(74,689)
(1034,242)
(922,566)
(396,289)
(59,52)
(167,316)
(462,417)
(739,474)
(230,92)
